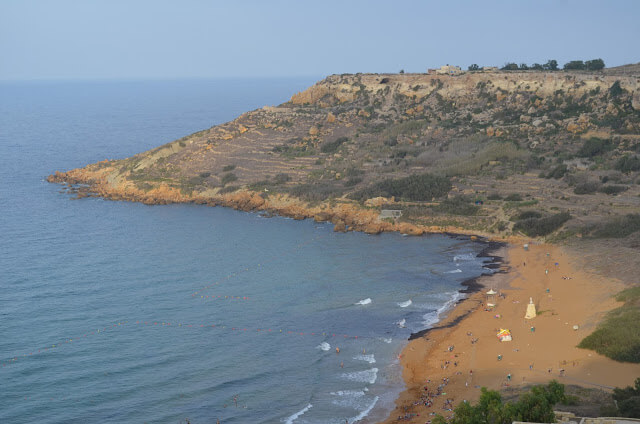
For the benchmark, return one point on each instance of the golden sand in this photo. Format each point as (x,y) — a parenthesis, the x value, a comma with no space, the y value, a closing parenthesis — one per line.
(564,297)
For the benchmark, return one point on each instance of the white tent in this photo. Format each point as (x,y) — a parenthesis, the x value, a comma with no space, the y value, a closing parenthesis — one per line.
(491,298)
(531,310)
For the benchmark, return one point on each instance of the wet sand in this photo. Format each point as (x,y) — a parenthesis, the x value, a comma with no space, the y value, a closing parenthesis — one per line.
(564,296)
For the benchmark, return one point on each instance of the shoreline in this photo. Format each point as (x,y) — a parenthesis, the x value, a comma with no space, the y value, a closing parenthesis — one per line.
(533,357)
(472,285)
(422,360)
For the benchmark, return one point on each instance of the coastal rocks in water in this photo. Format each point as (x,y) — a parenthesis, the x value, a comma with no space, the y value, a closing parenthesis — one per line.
(339,226)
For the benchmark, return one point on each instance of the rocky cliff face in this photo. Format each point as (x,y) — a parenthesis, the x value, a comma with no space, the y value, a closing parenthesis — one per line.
(349,138)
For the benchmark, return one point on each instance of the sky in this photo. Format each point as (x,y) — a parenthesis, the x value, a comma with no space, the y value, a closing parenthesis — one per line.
(161,39)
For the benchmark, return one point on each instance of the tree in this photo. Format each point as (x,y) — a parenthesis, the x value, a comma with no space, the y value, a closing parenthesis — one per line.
(615,90)
(574,65)
(551,65)
(510,67)
(628,400)
(474,67)
(402,71)
(537,67)
(594,64)
(536,406)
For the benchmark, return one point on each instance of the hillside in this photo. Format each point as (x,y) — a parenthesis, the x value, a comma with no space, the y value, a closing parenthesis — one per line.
(552,154)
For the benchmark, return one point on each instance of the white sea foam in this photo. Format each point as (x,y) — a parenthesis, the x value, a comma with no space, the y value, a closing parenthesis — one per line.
(324,346)
(405,304)
(464,257)
(366,376)
(292,418)
(386,340)
(348,393)
(365,412)
(433,317)
(364,301)
(402,323)
(367,358)
(455,271)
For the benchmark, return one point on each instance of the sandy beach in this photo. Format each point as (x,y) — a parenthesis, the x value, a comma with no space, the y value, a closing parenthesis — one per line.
(457,360)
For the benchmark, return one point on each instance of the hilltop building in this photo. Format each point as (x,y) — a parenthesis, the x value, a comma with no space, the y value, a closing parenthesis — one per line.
(446,70)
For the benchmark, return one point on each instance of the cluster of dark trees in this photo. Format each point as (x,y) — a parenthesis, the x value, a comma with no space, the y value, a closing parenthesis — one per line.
(535,406)
(552,65)
(589,65)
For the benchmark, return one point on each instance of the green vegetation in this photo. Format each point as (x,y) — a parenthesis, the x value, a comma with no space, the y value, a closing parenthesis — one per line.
(551,65)
(616,228)
(535,406)
(628,400)
(557,172)
(588,187)
(332,146)
(528,215)
(535,227)
(613,189)
(458,205)
(228,178)
(315,192)
(628,164)
(228,168)
(615,90)
(413,187)
(589,65)
(290,150)
(618,336)
(594,147)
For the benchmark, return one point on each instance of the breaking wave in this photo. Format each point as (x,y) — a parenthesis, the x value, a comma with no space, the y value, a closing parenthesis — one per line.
(367,376)
(293,417)
(405,304)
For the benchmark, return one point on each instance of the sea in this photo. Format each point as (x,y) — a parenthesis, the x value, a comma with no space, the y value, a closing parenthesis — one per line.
(119,312)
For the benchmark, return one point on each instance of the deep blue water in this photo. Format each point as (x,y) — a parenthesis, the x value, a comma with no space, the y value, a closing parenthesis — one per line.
(103,314)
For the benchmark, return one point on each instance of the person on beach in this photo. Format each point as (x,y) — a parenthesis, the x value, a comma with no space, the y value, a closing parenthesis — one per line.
(337,350)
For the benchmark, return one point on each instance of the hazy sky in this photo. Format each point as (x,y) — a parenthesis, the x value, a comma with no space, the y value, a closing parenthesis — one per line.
(51,39)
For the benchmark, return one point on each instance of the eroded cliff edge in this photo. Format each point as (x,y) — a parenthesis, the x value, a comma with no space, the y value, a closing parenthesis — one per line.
(477,153)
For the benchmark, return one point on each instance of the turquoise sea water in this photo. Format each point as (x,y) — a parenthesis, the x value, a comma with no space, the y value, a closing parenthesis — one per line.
(115,312)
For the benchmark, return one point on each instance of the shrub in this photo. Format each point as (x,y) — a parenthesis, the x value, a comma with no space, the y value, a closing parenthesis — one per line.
(535,227)
(613,189)
(528,215)
(315,192)
(615,90)
(594,147)
(628,400)
(227,178)
(414,187)
(228,168)
(459,205)
(281,178)
(628,164)
(352,181)
(204,175)
(332,146)
(494,196)
(588,187)
(557,172)
(616,228)
(513,197)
